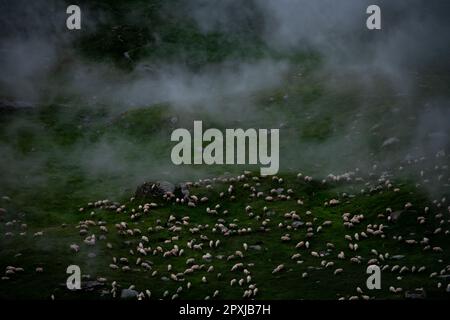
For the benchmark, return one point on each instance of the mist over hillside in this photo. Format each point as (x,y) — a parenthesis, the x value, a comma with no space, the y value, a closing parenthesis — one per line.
(216,59)
(86,176)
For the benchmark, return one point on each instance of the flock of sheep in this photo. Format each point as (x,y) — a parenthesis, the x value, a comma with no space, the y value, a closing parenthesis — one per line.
(194,254)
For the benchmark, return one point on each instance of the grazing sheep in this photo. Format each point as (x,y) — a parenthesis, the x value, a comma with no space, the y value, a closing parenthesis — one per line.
(237,266)
(75,247)
(338,271)
(278,268)
(296,256)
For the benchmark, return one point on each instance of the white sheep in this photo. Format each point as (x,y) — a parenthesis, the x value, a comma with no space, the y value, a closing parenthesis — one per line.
(278,268)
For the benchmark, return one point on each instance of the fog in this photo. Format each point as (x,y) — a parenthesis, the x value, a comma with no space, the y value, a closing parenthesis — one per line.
(41,64)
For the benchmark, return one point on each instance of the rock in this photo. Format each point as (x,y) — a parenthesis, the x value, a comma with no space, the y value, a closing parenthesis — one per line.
(182,191)
(297,224)
(395,215)
(155,189)
(91,285)
(279,190)
(128,294)
(159,188)
(416,294)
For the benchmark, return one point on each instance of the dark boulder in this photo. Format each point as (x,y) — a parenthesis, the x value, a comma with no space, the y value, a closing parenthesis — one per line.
(416,294)
(128,294)
(154,189)
(160,188)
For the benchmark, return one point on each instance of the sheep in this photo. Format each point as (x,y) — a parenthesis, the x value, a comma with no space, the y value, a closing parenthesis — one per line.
(338,271)
(278,268)
(296,256)
(355,260)
(74,247)
(237,266)
(247,294)
(300,245)
(146,266)
(395,290)
(188,271)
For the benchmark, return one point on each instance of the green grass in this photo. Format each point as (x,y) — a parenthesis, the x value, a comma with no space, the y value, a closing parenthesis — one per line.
(52,250)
